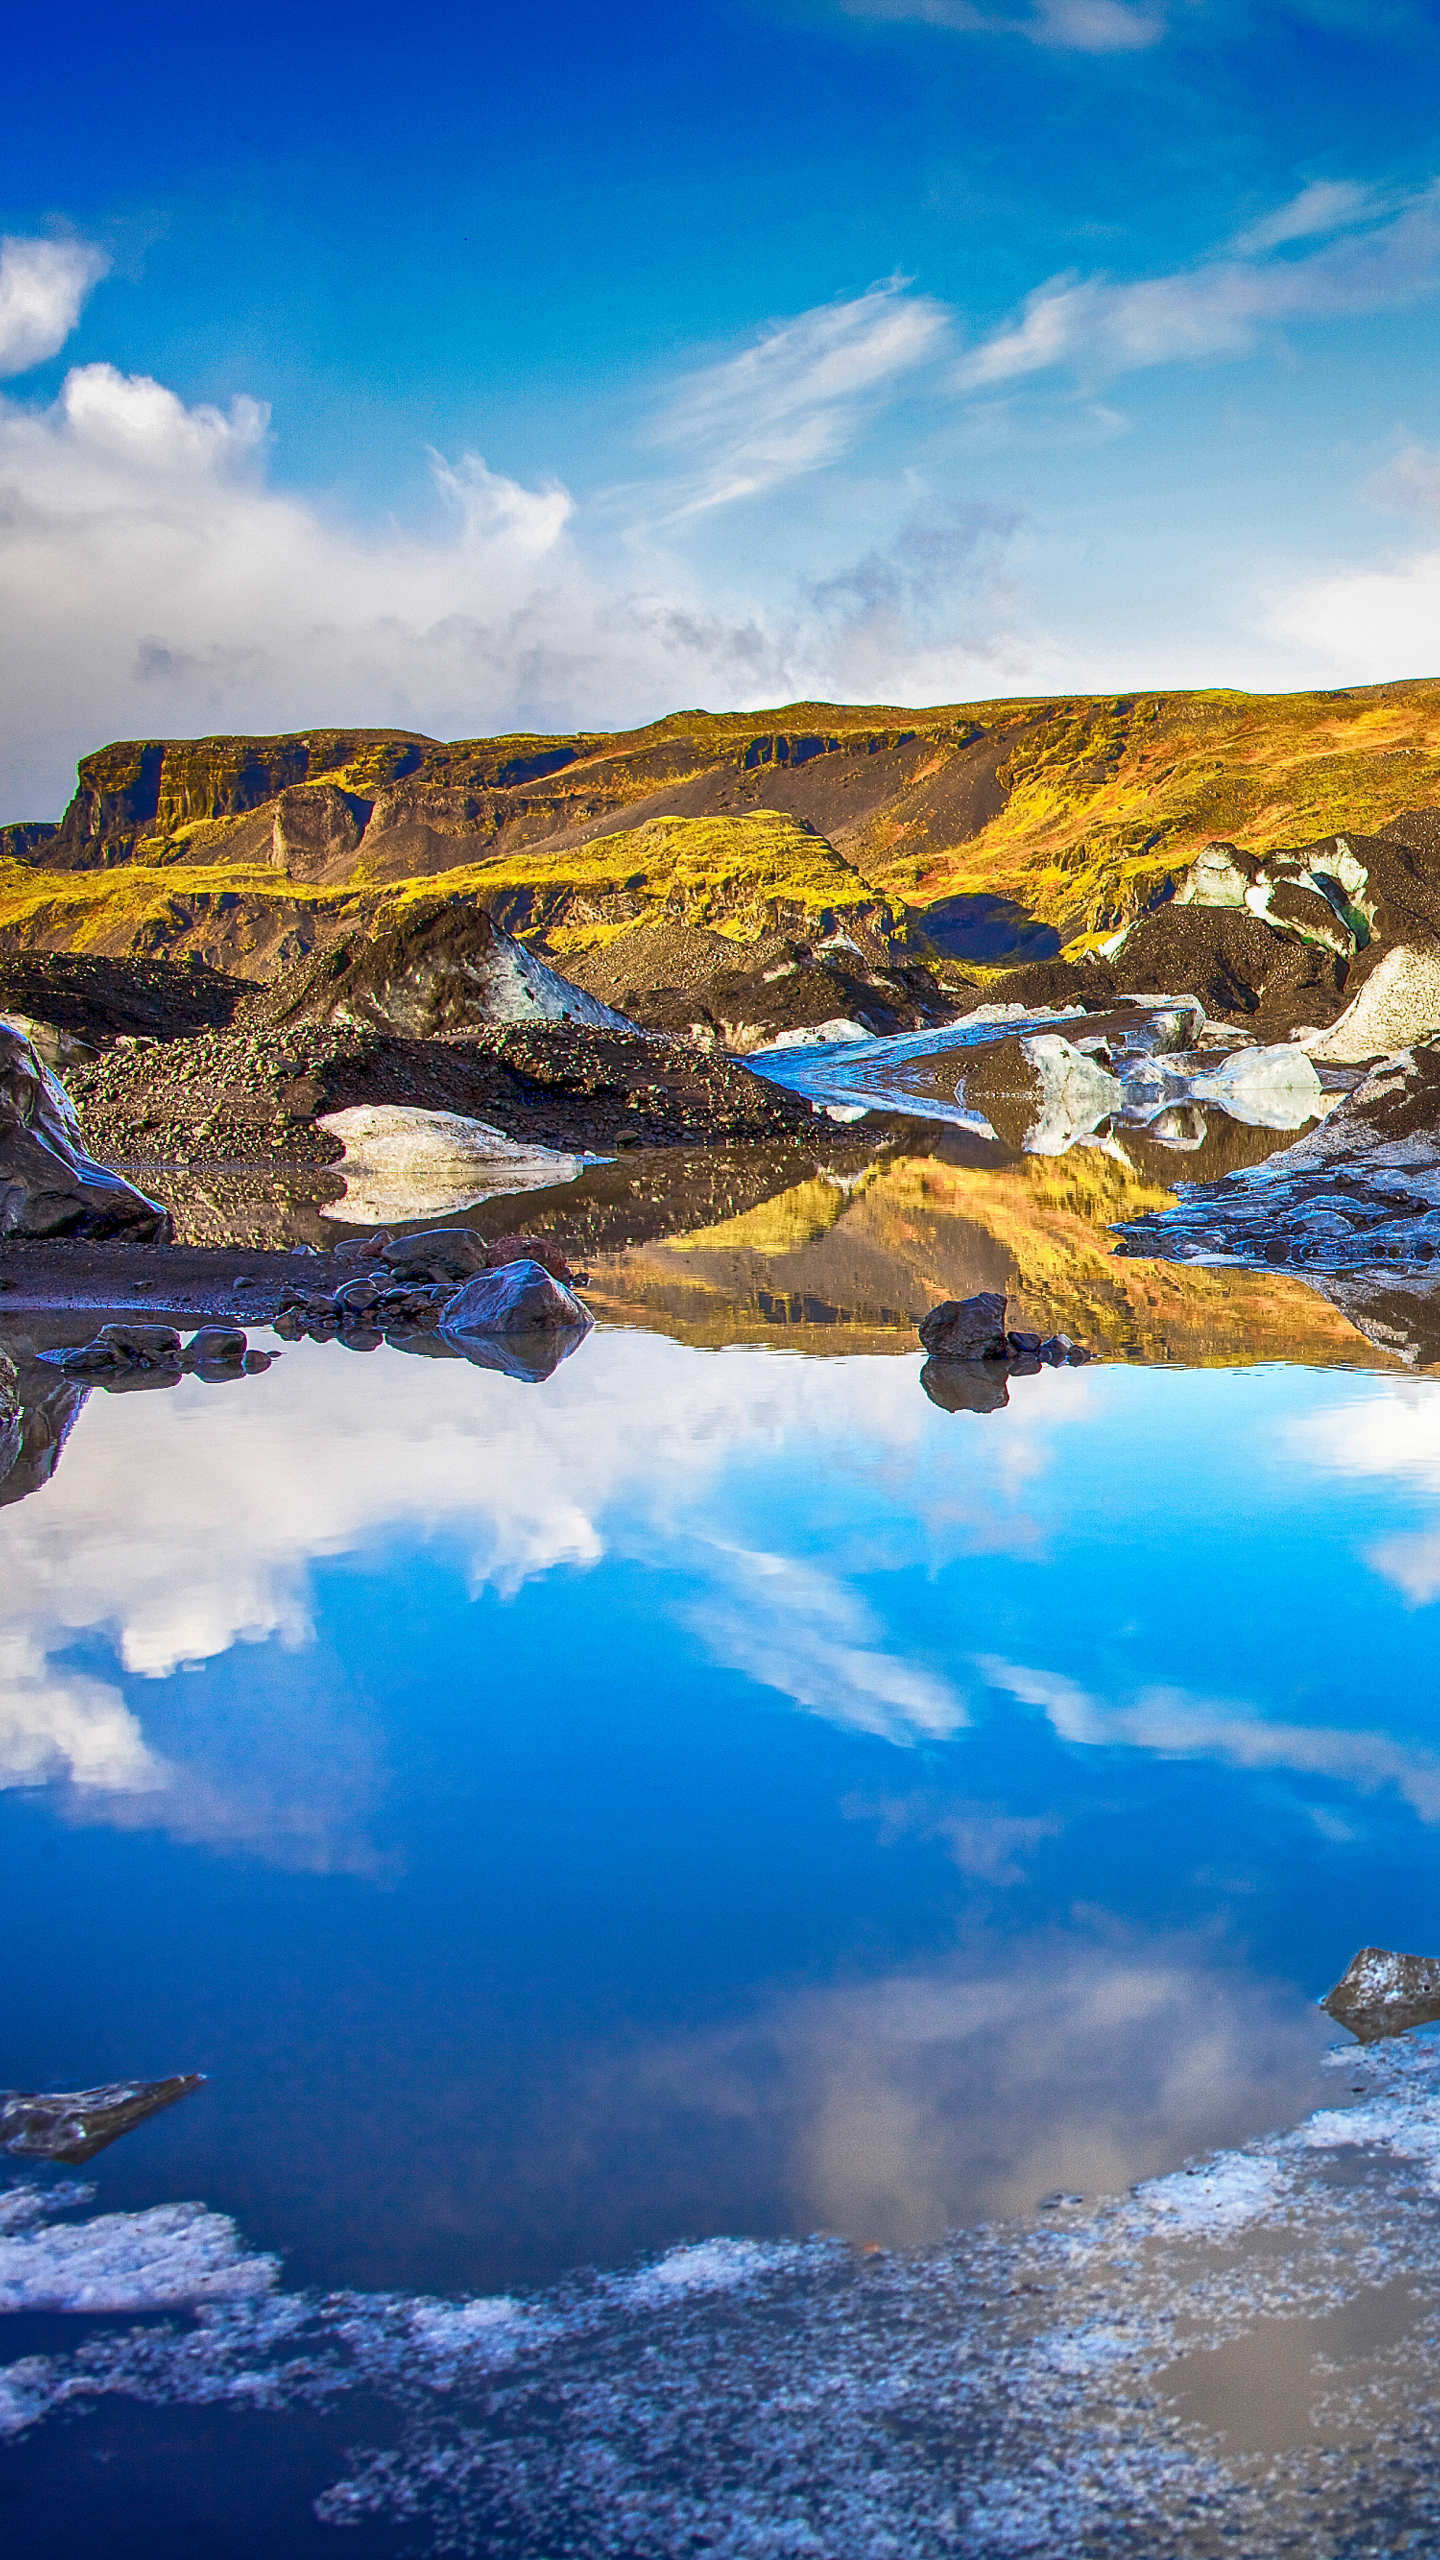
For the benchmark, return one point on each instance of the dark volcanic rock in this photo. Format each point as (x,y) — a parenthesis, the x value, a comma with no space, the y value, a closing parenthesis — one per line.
(966,1328)
(256,1096)
(12,1418)
(796,990)
(1381,1994)
(521,1297)
(48,1185)
(1235,963)
(79,1003)
(72,2125)
(440,1253)
(434,965)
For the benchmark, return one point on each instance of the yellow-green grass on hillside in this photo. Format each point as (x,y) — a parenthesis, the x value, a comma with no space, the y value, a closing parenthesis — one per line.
(1104,798)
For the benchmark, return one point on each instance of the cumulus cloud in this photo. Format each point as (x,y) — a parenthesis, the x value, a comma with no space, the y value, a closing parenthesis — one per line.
(164,584)
(1074,26)
(43,285)
(797,398)
(1223,306)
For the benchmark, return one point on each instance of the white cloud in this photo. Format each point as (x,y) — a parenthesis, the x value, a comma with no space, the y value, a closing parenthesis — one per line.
(43,285)
(1221,307)
(165,586)
(797,398)
(792,1626)
(179,1526)
(1325,206)
(1170,1722)
(1075,26)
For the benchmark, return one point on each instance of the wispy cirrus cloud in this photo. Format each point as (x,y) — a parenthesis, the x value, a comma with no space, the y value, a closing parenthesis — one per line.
(1072,26)
(1223,305)
(797,398)
(1178,1726)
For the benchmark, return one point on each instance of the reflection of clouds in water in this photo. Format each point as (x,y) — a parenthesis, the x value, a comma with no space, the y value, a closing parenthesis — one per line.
(990,1847)
(793,1627)
(179,1526)
(913,2102)
(1393,1436)
(1167,1721)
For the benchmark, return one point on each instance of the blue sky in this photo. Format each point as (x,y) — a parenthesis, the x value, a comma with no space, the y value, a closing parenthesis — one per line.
(482,370)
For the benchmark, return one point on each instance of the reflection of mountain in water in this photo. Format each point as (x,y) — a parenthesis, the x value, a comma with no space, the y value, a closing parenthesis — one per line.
(851,1261)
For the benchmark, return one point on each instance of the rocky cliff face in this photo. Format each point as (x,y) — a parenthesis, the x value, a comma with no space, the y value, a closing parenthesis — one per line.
(1004,829)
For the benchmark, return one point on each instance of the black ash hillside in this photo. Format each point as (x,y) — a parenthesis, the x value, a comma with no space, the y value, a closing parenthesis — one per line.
(258,1096)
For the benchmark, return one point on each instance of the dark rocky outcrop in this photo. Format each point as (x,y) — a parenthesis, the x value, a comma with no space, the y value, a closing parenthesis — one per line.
(799,987)
(257,1096)
(49,1186)
(72,2125)
(126,1354)
(433,966)
(73,1004)
(1382,1994)
(970,1335)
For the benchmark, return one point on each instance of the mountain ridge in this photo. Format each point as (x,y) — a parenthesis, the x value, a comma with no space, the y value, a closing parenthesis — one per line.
(997,829)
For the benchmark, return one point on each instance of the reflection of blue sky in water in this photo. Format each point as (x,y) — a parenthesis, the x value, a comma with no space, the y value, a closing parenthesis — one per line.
(420,1752)
(710,1793)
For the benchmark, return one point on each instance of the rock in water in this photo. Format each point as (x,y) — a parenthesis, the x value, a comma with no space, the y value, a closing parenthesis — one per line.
(74,2124)
(521,1297)
(49,1186)
(441,1253)
(1040,1093)
(966,1328)
(1381,1994)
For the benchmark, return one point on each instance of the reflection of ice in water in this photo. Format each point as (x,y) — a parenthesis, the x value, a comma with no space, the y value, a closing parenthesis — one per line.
(402,1163)
(1052,2390)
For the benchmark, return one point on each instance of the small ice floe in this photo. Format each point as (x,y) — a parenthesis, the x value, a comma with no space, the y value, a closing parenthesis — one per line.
(402,1163)
(1274,1088)
(172,2255)
(838,1032)
(1381,1993)
(72,2125)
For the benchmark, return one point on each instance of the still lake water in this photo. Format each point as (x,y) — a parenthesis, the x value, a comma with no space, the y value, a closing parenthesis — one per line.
(700,1888)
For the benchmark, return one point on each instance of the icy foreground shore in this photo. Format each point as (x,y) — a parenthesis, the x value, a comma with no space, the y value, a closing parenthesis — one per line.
(1080,2387)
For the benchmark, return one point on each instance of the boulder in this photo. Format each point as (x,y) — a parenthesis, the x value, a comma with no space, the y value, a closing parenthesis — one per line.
(966,1328)
(49,1186)
(521,1297)
(73,2124)
(120,1349)
(440,1253)
(541,1249)
(1381,1994)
